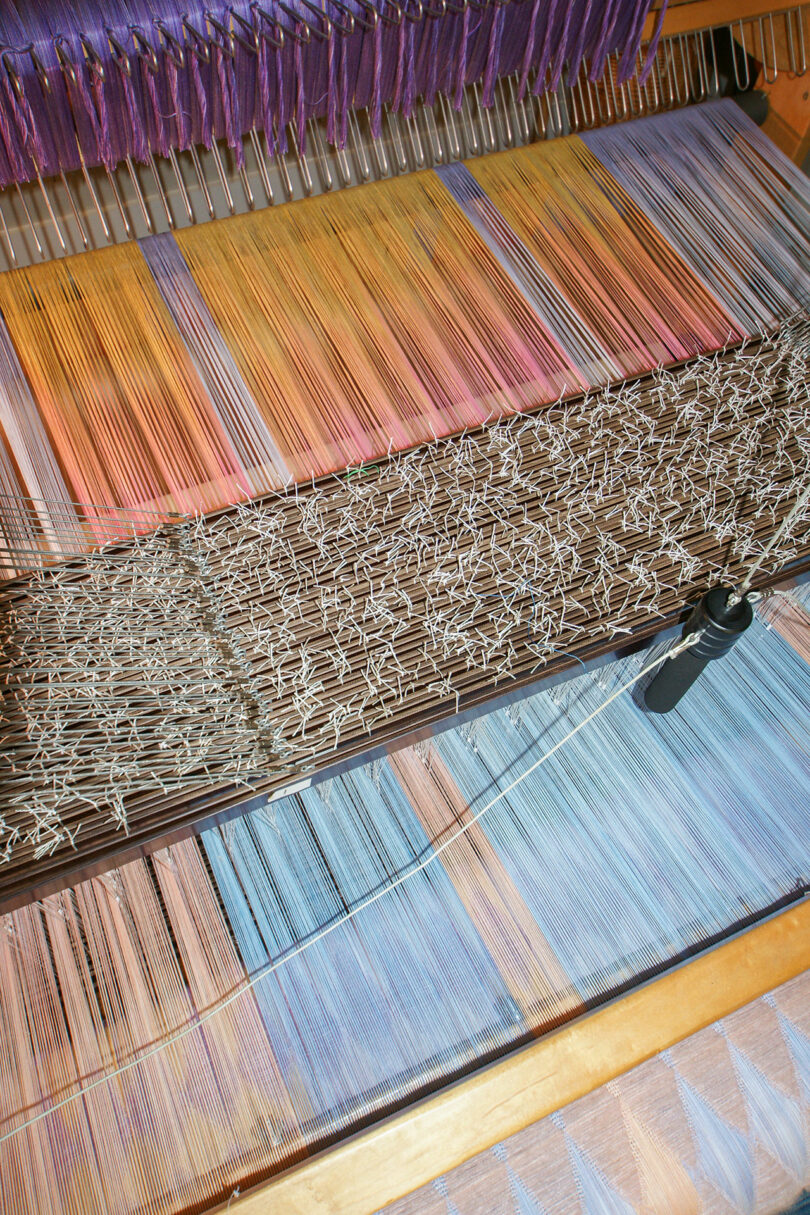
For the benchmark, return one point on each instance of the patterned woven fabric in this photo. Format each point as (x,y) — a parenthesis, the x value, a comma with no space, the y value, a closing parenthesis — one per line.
(719,1124)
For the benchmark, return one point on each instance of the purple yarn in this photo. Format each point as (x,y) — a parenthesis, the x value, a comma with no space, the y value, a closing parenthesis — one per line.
(300,111)
(193,89)
(332,88)
(653,47)
(578,53)
(24,122)
(399,76)
(562,54)
(178,109)
(409,87)
(603,46)
(461,76)
(528,52)
(547,45)
(108,157)
(265,116)
(375,113)
(203,132)
(230,104)
(84,106)
(282,107)
(159,135)
(343,105)
(430,88)
(493,54)
(20,165)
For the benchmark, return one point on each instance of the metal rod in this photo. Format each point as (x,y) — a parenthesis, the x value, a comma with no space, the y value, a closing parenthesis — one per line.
(432,134)
(703,67)
(30,221)
(589,122)
(201,180)
(772,73)
(520,108)
(161,192)
(686,68)
(740,86)
(256,142)
(221,174)
(450,127)
(652,82)
(642,105)
(791,41)
(501,108)
(284,172)
(666,78)
(378,146)
(344,168)
(612,83)
(552,96)
(686,64)
(575,116)
(416,142)
(798,13)
(181,185)
(88,181)
(541,122)
(561,95)
(603,104)
(74,209)
(674,92)
(139,194)
(245,180)
(321,158)
(363,167)
(7,237)
(714,88)
(485,120)
(396,140)
(303,166)
(468,126)
(50,209)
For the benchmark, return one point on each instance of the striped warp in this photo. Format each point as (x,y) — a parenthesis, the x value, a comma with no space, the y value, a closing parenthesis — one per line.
(191,371)
(640,839)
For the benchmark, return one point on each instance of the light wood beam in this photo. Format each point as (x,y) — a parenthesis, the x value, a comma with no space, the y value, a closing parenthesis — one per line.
(409,1149)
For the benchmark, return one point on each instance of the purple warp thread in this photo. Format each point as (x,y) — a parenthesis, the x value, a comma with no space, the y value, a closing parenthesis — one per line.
(96,81)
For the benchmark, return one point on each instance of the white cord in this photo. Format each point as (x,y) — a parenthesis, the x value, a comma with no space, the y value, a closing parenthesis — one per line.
(739,594)
(248,984)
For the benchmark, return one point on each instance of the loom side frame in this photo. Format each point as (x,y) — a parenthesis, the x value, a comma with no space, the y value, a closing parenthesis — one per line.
(685,18)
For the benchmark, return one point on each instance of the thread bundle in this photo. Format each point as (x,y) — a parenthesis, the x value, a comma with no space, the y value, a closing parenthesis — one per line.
(178,377)
(87,85)
(634,842)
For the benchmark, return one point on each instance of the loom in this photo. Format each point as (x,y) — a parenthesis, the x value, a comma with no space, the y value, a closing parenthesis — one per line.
(381,385)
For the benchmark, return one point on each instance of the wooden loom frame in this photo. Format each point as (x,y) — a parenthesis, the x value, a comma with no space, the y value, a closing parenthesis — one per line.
(409,1149)
(684,18)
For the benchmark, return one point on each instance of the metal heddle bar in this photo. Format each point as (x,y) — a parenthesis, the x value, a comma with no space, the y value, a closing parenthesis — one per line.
(90,208)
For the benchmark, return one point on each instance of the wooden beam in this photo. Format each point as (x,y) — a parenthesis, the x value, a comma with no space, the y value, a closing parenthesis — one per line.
(377,1166)
(703,14)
